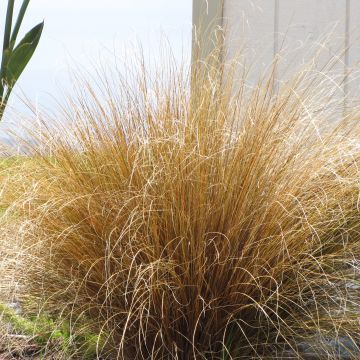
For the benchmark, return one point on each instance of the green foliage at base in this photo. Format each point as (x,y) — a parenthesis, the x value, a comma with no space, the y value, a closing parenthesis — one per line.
(45,331)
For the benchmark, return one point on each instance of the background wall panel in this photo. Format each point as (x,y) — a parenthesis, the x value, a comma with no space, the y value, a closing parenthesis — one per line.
(353,42)
(261,28)
(250,27)
(295,31)
(309,29)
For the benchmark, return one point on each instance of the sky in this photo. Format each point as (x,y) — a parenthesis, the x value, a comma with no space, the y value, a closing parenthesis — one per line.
(78,32)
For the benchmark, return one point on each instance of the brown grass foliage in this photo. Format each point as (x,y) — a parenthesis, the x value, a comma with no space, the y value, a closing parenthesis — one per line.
(217,223)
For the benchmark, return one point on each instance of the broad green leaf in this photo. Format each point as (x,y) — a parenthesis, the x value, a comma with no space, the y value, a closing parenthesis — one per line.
(33,35)
(22,54)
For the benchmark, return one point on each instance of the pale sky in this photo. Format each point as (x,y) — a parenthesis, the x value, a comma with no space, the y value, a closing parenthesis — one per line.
(77,32)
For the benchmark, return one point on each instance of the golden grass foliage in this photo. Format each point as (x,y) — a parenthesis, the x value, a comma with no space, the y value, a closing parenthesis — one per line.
(217,223)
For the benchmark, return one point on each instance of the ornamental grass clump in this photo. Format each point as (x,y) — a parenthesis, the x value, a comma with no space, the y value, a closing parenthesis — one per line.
(217,223)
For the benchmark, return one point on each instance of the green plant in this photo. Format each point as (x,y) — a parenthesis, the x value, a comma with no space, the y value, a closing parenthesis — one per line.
(15,57)
(43,331)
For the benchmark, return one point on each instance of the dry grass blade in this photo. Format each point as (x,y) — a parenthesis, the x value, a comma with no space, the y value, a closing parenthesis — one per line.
(217,224)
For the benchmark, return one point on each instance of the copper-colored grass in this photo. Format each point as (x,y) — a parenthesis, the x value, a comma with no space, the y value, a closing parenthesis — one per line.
(217,223)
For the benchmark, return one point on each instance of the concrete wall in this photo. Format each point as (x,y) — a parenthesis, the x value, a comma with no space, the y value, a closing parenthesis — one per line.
(295,28)
(261,29)
(207,20)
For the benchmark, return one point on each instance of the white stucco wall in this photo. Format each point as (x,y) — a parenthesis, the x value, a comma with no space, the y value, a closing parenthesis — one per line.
(294,29)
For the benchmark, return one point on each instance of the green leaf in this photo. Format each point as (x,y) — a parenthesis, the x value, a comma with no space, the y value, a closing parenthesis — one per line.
(8,23)
(18,22)
(33,35)
(22,54)
(6,55)
(6,41)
